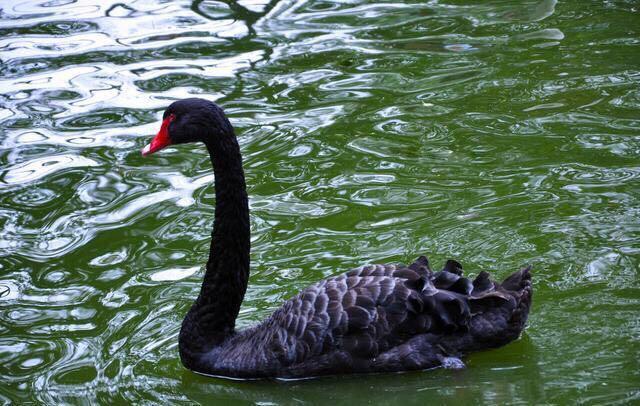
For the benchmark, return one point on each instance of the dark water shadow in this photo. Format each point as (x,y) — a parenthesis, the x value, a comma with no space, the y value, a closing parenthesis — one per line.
(239,12)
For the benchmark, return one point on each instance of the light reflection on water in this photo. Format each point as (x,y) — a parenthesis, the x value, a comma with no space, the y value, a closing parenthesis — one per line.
(495,133)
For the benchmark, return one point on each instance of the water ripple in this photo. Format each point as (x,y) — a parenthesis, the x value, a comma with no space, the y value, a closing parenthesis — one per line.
(496,133)
(38,168)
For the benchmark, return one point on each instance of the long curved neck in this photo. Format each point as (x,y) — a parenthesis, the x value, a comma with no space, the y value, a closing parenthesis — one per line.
(212,317)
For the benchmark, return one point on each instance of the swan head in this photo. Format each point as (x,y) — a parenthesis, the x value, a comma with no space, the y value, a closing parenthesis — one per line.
(189,120)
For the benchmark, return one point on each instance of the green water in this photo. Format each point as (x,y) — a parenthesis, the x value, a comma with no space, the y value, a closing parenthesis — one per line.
(499,134)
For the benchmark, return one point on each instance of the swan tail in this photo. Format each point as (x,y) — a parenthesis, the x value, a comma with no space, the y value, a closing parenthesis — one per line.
(519,286)
(499,310)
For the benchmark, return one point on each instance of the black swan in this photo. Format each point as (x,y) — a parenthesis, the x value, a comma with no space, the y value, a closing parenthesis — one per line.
(374,319)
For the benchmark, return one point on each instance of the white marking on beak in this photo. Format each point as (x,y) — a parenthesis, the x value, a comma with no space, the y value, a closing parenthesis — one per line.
(146,149)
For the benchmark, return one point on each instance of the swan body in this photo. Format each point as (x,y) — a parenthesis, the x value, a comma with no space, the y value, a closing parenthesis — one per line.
(378,318)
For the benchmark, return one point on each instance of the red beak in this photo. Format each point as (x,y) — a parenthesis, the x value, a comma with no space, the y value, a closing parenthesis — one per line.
(161,140)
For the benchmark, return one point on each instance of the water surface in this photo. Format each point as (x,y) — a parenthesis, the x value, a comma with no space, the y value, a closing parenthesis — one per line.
(499,134)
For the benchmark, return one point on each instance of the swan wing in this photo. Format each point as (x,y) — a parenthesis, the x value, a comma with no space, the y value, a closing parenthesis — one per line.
(367,311)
